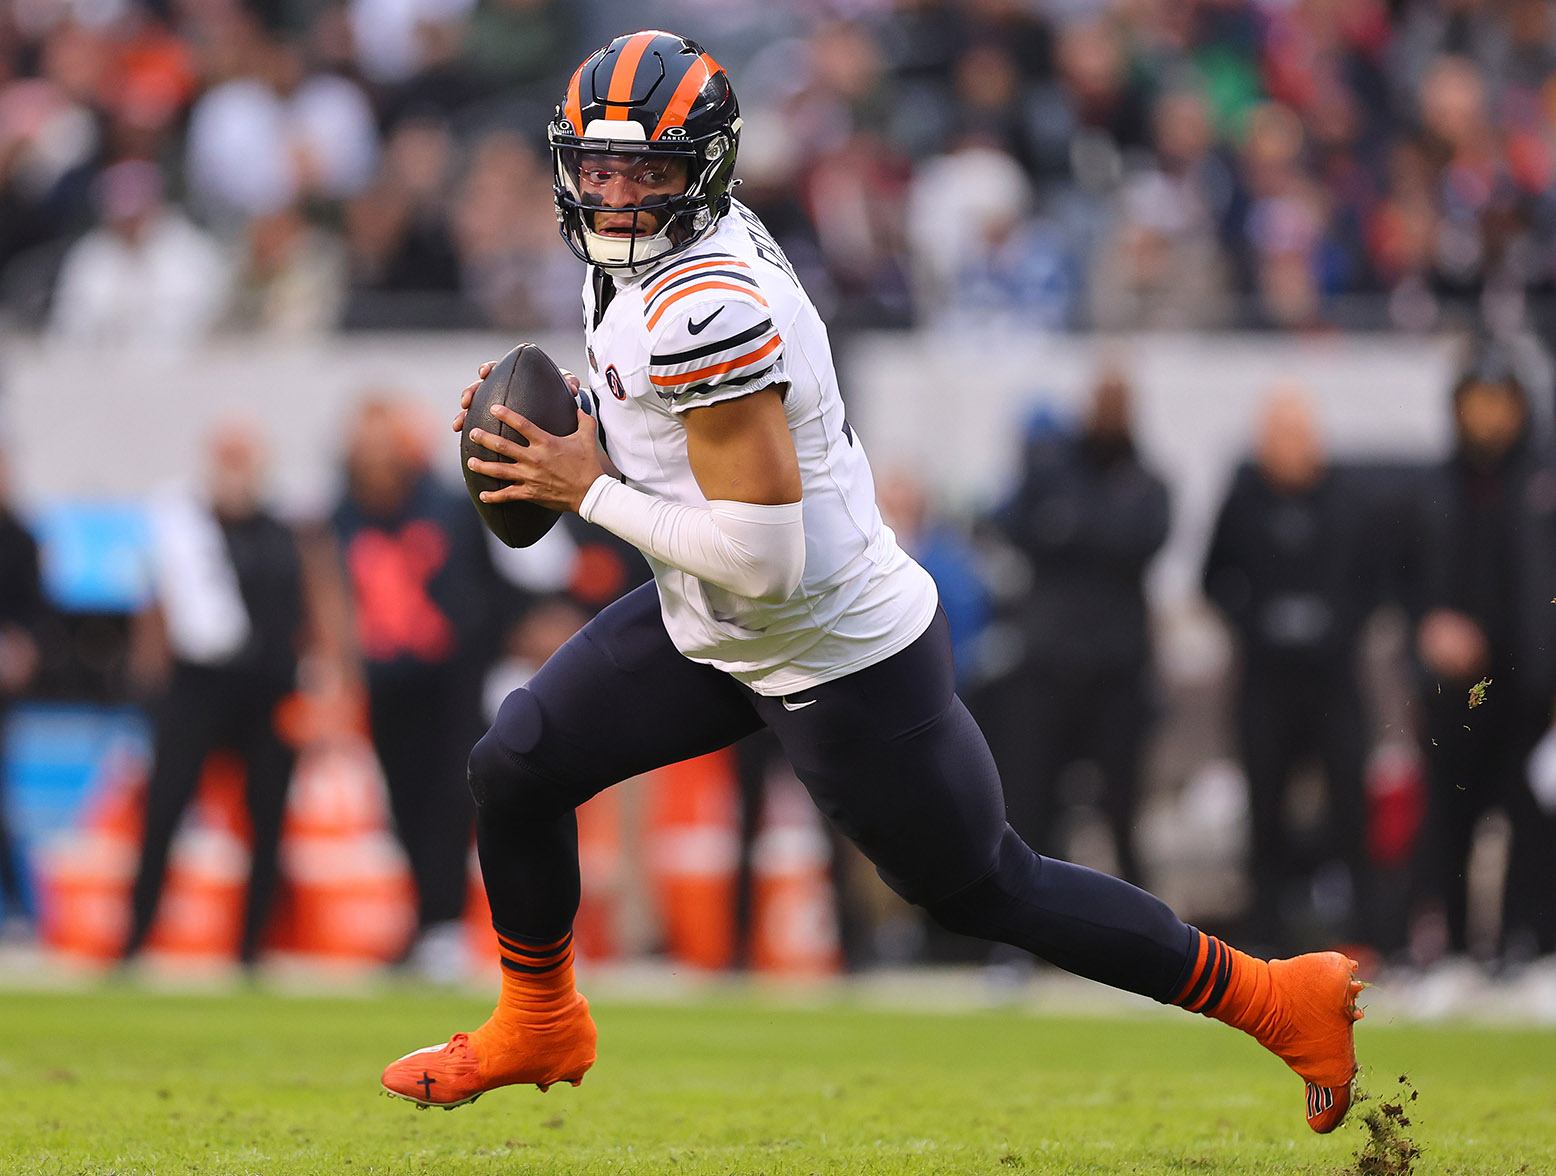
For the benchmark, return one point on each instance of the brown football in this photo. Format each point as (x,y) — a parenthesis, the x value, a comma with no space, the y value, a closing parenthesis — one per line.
(526,381)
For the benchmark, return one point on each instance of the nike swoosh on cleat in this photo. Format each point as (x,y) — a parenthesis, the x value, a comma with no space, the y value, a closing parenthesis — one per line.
(794,706)
(696,328)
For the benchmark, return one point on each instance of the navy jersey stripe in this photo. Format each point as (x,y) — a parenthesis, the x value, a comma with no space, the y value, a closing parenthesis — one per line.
(721,386)
(527,950)
(527,970)
(675,265)
(697,276)
(713,348)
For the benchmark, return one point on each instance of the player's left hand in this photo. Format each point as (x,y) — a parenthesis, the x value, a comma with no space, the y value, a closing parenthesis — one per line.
(467,396)
(553,471)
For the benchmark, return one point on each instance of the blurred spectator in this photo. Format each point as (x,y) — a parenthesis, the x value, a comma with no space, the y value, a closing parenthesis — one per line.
(220,649)
(1097,107)
(1281,221)
(947,554)
(269,134)
(1089,516)
(21,608)
(856,180)
(1160,266)
(422,586)
(521,44)
(49,141)
(514,267)
(1292,566)
(147,275)
(982,255)
(291,277)
(404,268)
(1487,646)
(390,35)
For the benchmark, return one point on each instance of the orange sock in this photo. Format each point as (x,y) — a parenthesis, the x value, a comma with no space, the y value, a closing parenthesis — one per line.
(541,1030)
(537,984)
(1231,986)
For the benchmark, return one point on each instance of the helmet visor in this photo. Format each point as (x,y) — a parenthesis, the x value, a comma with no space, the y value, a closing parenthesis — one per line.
(624,193)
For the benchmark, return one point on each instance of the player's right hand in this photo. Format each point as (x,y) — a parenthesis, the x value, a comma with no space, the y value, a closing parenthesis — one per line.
(482,372)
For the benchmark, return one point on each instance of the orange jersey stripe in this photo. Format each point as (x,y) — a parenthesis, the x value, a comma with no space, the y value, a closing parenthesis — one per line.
(620,90)
(715,263)
(572,107)
(686,94)
(718,369)
(654,318)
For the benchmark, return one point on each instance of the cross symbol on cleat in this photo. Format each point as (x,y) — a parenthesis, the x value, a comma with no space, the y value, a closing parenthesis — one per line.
(426,1082)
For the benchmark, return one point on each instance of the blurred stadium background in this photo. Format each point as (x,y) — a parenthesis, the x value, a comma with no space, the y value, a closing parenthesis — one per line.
(275,210)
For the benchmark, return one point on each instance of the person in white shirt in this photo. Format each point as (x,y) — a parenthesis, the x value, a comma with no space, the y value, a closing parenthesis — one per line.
(147,277)
(715,441)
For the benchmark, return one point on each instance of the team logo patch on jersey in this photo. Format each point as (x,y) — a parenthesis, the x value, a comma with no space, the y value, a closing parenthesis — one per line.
(613,382)
(593,363)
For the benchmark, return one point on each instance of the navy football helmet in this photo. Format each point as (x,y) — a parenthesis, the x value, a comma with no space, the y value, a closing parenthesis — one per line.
(650,104)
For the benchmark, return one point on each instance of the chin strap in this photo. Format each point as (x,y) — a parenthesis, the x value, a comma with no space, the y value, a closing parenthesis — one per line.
(613,253)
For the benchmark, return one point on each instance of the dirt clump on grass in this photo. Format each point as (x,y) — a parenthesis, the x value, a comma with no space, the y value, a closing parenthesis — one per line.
(1387,1149)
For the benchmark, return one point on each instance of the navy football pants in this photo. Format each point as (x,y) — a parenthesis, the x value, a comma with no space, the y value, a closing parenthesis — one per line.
(888,753)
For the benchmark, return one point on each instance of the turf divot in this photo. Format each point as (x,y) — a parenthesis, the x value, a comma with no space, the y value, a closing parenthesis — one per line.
(1388,1148)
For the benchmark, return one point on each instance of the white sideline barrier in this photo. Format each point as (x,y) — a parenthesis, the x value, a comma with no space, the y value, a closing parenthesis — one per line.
(953,406)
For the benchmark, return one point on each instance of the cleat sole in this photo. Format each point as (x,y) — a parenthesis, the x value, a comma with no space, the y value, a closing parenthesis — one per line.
(545,1086)
(422,1104)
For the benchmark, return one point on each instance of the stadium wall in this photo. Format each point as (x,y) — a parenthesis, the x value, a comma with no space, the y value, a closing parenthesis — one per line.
(951,406)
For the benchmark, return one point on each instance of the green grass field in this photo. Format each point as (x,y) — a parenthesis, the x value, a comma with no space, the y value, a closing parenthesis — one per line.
(124,1082)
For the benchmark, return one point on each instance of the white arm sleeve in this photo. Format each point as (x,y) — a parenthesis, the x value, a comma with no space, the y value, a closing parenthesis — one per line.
(747,548)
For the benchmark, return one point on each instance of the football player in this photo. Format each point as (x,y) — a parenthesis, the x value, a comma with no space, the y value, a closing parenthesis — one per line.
(779,599)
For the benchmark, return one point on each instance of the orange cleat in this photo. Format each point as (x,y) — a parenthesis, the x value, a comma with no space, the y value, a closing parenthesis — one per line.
(1313,1030)
(449,1076)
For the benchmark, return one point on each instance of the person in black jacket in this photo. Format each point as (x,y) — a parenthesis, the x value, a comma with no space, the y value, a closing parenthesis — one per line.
(1487,648)
(422,588)
(1089,516)
(223,638)
(21,606)
(1292,569)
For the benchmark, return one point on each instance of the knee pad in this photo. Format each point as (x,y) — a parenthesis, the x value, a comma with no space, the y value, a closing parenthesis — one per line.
(502,772)
(984,909)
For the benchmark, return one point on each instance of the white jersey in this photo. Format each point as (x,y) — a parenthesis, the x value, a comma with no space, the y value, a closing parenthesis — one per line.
(722,320)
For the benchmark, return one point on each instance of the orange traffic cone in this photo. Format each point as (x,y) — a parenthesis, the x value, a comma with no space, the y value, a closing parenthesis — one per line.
(692,846)
(84,875)
(794,924)
(200,911)
(346,892)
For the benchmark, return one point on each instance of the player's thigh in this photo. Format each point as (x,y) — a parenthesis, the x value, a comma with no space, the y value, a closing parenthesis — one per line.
(619,699)
(895,760)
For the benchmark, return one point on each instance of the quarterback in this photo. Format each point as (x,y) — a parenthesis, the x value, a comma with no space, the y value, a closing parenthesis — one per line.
(778,599)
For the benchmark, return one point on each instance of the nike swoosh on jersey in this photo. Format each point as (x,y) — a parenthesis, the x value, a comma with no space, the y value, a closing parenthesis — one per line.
(696,328)
(794,706)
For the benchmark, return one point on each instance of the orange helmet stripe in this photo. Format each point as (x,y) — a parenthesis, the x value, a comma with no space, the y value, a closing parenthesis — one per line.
(620,90)
(572,105)
(686,94)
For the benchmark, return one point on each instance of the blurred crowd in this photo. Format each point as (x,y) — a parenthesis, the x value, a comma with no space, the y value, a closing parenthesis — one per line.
(174,167)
